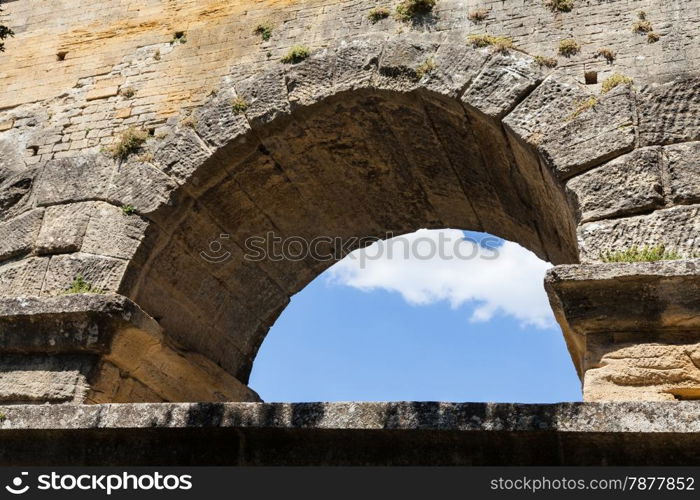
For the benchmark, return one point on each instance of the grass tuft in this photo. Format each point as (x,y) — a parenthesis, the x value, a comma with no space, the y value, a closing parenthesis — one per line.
(239,105)
(410,9)
(377,14)
(79,285)
(130,141)
(607,53)
(582,106)
(499,43)
(546,62)
(427,67)
(128,209)
(296,54)
(264,30)
(614,81)
(569,47)
(478,15)
(559,5)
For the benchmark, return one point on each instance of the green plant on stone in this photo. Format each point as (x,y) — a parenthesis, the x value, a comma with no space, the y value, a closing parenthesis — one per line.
(296,54)
(129,142)
(79,285)
(559,5)
(410,9)
(614,81)
(3,417)
(264,30)
(239,105)
(569,47)
(377,14)
(641,254)
(128,209)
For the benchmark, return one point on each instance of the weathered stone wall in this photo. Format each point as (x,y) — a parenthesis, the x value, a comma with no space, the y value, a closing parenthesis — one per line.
(390,126)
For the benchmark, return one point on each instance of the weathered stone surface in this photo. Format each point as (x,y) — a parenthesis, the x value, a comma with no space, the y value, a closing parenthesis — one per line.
(131,361)
(24,277)
(683,165)
(677,228)
(140,185)
(27,379)
(386,127)
(503,82)
(74,179)
(265,96)
(626,185)
(641,433)
(180,154)
(641,345)
(594,136)
(17,235)
(103,273)
(64,227)
(113,233)
(670,113)
(217,123)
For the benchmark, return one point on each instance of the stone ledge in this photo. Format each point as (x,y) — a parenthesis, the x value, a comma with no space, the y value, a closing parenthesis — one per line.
(403,433)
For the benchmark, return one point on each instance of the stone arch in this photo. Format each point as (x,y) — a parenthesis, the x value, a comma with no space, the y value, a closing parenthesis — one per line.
(367,136)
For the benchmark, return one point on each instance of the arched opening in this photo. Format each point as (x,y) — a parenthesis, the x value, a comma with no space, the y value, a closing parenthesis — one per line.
(356,164)
(441,315)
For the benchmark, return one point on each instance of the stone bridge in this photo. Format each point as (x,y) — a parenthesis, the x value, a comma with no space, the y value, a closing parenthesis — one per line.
(141,141)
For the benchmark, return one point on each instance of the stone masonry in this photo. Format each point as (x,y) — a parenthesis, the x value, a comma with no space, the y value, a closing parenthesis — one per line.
(386,126)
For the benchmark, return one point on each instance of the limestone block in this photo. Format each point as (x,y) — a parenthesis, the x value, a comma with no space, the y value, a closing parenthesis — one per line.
(594,136)
(64,227)
(543,111)
(677,228)
(142,186)
(103,273)
(670,112)
(113,233)
(630,369)
(265,95)
(16,192)
(74,179)
(217,122)
(626,185)
(181,153)
(645,302)
(129,359)
(683,165)
(401,60)
(24,277)
(35,379)
(17,235)
(504,81)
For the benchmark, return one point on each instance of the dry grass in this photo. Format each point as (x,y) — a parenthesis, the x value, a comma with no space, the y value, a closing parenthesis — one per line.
(410,9)
(608,54)
(614,81)
(377,14)
(296,54)
(569,47)
(478,15)
(130,141)
(546,62)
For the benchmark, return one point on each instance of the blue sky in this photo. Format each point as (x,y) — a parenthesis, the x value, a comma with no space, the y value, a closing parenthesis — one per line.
(427,329)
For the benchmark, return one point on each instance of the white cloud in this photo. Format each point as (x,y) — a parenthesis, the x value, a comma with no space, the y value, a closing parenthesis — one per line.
(510,284)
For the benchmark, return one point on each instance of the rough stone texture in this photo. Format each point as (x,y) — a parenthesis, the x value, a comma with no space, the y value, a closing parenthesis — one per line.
(626,185)
(677,228)
(377,434)
(385,127)
(100,348)
(641,345)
